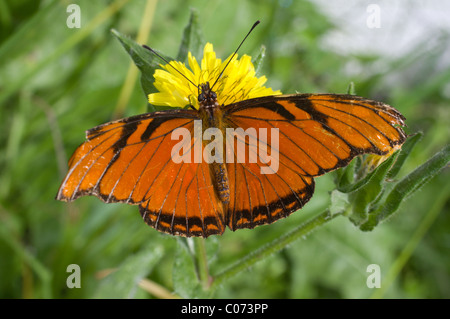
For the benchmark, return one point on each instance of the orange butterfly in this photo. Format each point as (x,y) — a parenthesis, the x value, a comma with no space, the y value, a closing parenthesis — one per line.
(132,160)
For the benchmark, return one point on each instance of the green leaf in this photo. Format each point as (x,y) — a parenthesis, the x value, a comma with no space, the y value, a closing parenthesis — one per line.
(345,176)
(407,186)
(351,88)
(339,202)
(212,248)
(123,282)
(145,60)
(365,196)
(346,187)
(404,153)
(192,38)
(185,278)
(258,61)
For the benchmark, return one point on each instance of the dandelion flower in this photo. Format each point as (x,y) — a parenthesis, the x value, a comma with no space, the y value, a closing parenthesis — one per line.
(237,83)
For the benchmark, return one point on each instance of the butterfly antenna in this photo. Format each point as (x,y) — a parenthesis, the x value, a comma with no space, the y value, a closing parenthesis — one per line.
(168,63)
(235,52)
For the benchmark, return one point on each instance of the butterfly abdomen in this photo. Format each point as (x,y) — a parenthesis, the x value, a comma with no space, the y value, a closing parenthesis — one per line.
(221,182)
(218,168)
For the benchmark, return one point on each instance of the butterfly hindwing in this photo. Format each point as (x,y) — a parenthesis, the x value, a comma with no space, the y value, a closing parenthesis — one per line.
(257,198)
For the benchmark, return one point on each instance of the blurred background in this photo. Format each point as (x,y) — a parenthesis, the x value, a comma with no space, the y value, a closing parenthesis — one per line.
(56,82)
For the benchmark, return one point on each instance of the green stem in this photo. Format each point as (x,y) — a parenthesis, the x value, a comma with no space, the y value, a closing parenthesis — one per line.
(272,247)
(202,262)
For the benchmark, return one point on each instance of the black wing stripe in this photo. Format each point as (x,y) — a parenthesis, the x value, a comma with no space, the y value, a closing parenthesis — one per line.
(378,107)
(286,156)
(359,118)
(275,173)
(166,115)
(157,175)
(77,192)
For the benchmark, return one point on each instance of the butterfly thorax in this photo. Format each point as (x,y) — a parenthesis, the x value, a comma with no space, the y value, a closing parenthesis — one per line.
(210,109)
(207,98)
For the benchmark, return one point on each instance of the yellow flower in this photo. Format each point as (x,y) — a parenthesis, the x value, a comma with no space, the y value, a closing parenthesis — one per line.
(237,83)
(372,161)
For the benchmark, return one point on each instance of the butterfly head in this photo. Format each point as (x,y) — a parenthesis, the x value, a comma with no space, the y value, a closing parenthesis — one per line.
(207,98)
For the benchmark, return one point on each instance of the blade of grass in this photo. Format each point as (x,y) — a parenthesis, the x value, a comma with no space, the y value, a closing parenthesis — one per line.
(122,282)
(38,268)
(73,40)
(133,71)
(55,131)
(18,37)
(157,290)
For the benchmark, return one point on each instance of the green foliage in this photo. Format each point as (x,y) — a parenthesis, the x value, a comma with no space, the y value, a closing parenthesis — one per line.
(146,61)
(192,40)
(57,82)
(123,282)
(407,186)
(377,195)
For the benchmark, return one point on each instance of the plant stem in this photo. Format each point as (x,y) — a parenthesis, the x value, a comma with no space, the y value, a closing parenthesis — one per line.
(202,262)
(272,247)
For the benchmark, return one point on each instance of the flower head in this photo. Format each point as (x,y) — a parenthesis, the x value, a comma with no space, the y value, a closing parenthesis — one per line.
(372,161)
(237,83)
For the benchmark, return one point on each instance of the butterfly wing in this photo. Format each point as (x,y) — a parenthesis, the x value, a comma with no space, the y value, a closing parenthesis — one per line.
(131,161)
(257,198)
(317,133)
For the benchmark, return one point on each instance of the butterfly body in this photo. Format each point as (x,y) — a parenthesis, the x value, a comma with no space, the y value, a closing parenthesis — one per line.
(211,114)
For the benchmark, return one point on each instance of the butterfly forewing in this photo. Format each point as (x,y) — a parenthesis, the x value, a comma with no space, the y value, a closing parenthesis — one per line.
(322,132)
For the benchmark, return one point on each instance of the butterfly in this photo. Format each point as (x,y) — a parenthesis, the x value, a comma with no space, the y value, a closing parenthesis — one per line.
(136,160)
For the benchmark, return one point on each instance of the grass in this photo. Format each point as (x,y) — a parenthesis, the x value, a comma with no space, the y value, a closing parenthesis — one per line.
(57,82)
